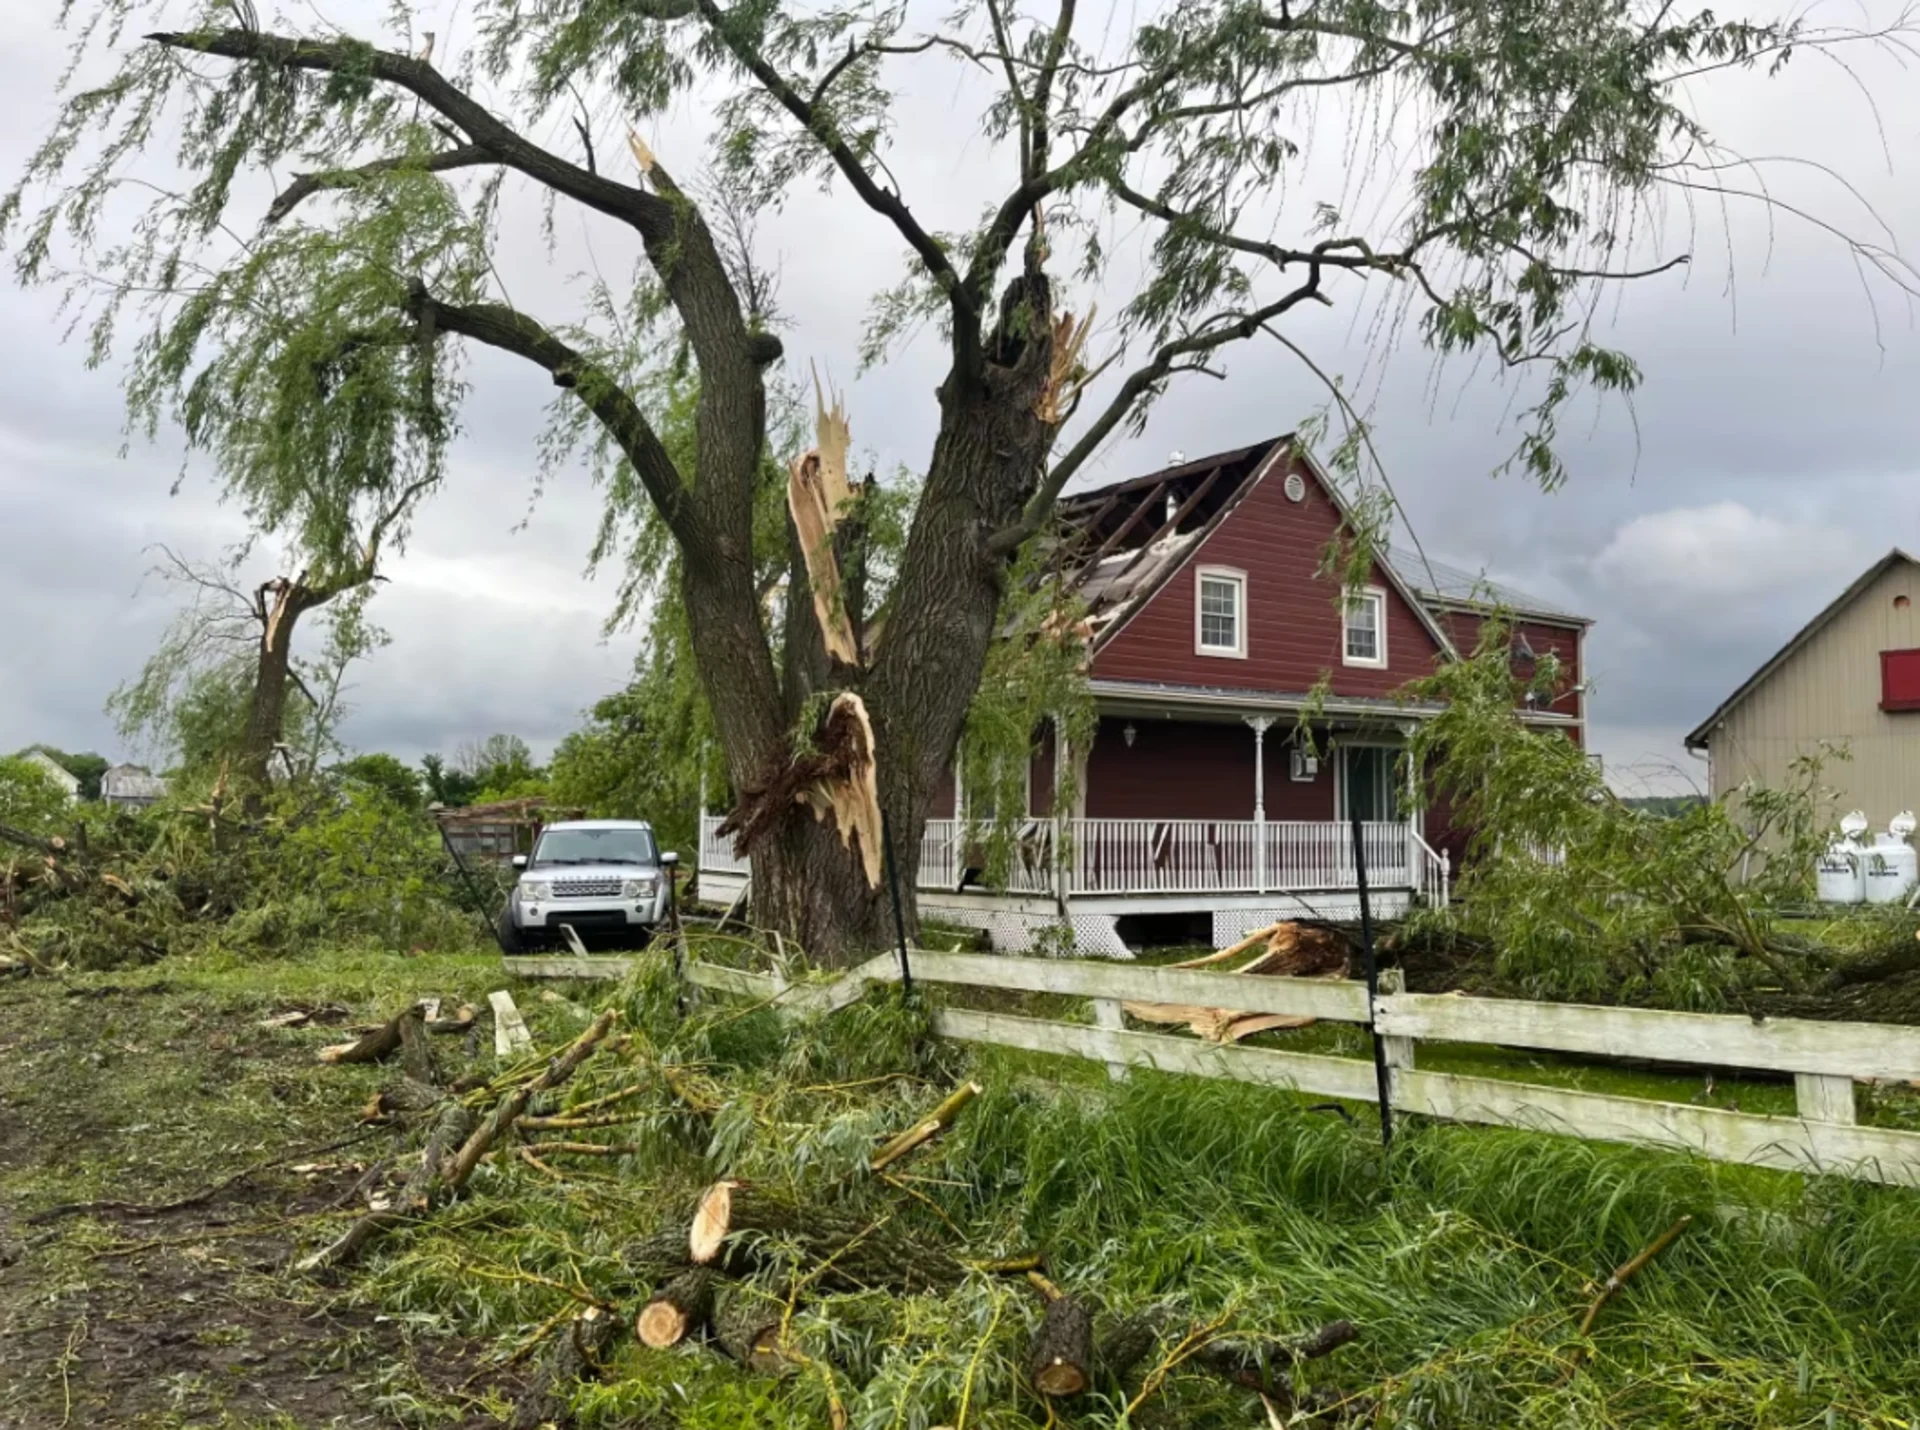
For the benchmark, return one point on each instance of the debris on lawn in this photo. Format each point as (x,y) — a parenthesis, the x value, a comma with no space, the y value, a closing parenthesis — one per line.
(1288,949)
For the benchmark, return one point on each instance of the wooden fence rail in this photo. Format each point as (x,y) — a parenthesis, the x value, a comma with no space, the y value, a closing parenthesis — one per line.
(1824,1059)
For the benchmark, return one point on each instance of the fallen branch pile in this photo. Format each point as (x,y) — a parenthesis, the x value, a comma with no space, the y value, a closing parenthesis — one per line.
(817,1261)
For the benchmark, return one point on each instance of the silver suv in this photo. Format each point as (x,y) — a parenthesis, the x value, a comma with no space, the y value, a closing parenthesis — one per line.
(603,878)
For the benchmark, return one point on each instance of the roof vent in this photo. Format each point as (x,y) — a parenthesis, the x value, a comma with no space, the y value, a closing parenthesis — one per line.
(1176,457)
(1296,487)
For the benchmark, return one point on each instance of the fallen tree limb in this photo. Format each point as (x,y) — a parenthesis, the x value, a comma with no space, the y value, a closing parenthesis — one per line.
(1621,1276)
(452,1124)
(443,1173)
(926,1130)
(576,1356)
(380,1043)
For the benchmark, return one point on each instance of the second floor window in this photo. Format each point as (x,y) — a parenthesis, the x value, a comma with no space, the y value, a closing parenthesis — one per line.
(1366,628)
(1220,613)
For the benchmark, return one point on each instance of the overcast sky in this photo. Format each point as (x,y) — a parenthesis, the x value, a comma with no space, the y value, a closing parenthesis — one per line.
(1771,454)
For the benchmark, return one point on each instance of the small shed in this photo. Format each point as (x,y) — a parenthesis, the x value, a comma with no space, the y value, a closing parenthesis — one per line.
(131,787)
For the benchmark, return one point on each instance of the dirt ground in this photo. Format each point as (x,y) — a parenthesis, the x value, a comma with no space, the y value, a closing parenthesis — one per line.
(142,1281)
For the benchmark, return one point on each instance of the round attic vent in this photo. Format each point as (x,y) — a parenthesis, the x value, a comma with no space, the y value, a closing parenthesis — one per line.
(1296,487)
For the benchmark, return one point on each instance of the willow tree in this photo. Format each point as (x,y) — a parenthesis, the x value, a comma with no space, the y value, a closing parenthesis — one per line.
(1531,135)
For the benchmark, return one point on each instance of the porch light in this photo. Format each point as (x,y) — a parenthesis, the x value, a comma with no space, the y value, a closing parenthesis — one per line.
(1128,733)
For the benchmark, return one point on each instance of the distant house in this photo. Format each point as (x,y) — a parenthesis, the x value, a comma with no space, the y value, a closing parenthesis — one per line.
(131,787)
(55,771)
(1212,630)
(1850,675)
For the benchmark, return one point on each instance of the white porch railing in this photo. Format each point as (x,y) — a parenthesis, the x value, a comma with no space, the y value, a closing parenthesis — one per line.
(716,853)
(1174,856)
(1233,856)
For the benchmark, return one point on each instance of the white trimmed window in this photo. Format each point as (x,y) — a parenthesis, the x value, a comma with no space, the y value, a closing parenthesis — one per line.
(1364,640)
(1220,611)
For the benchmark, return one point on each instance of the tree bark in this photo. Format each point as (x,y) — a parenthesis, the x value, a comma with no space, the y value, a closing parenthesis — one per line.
(1062,1362)
(747,1322)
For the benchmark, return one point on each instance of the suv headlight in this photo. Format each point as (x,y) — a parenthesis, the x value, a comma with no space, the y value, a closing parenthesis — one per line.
(532,891)
(637,888)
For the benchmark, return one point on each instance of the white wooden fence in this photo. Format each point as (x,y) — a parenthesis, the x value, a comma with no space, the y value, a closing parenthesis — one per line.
(1824,1059)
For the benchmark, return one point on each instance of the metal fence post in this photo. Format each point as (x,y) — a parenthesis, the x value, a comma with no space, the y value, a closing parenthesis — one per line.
(1382,1080)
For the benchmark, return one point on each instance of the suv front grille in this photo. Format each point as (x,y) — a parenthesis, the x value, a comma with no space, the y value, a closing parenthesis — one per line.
(586,889)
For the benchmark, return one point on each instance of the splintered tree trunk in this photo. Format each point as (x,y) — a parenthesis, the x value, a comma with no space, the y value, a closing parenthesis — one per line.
(281,603)
(925,660)
(815,891)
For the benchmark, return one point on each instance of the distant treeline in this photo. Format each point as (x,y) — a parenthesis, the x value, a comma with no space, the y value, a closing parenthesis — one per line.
(1666,805)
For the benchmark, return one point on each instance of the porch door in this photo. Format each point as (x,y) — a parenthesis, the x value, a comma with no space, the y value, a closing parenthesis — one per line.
(1368,783)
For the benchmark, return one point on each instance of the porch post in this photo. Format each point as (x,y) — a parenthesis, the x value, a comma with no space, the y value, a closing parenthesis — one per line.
(1061,883)
(1415,859)
(960,788)
(1260,724)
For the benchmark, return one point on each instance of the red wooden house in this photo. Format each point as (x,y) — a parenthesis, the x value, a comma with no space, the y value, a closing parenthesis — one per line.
(1197,797)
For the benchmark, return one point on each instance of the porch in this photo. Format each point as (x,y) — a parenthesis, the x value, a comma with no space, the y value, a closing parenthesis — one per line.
(1243,872)
(1197,808)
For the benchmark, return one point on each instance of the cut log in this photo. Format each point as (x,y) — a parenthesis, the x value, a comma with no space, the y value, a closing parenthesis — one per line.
(510,1033)
(416,1053)
(927,1129)
(576,1356)
(712,1220)
(657,1256)
(747,1322)
(1062,1362)
(743,1230)
(678,1309)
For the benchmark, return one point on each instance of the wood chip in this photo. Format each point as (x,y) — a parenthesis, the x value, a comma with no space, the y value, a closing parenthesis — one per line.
(510,1033)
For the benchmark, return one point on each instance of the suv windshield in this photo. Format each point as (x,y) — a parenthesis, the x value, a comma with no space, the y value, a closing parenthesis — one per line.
(595,846)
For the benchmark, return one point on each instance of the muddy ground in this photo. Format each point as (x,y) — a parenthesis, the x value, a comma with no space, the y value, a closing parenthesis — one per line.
(144,1248)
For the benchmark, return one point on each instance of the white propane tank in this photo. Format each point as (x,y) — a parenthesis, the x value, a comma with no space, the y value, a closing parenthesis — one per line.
(1840,873)
(1892,865)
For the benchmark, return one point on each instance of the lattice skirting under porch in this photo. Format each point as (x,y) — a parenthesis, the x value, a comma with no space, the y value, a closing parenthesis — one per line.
(1094,935)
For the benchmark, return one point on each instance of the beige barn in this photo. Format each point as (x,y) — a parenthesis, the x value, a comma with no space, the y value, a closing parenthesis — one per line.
(1850,676)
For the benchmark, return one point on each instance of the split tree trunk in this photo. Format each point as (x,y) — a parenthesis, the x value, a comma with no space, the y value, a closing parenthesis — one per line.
(925,666)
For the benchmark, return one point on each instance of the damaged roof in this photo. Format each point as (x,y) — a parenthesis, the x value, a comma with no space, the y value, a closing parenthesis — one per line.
(1124,541)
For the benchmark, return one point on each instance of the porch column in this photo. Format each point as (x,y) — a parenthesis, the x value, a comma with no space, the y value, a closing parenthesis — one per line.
(1062,885)
(1416,860)
(1261,724)
(959,790)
